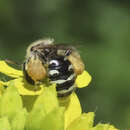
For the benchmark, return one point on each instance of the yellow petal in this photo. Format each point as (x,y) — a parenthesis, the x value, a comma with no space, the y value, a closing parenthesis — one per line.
(113,128)
(104,127)
(73,108)
(2,83)
(83,80)
(26,89)
(7,70)
(84,122)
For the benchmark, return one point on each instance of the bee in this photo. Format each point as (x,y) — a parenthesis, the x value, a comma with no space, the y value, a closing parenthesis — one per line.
(34,67)
(61,64)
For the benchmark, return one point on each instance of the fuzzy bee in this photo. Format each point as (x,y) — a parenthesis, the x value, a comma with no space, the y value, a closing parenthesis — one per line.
(59,63)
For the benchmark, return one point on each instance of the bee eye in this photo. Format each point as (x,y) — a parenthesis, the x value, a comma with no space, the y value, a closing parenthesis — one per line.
(54,63)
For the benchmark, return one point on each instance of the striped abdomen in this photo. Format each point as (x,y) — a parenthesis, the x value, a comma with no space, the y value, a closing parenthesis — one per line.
(60,72)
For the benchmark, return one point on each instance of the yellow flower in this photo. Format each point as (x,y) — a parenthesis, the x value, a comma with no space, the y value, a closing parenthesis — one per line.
(73,117)
(71,103)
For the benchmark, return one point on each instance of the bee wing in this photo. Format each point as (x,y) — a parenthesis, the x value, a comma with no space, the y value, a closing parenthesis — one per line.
(64,49)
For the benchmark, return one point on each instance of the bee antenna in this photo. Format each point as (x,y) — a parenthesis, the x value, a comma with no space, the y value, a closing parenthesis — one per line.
(12,62)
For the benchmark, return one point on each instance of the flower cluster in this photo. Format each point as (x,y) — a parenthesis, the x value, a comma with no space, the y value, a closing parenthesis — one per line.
(24,108)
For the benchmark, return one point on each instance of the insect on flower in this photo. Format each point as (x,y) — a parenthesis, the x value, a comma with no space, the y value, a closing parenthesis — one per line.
(61,64)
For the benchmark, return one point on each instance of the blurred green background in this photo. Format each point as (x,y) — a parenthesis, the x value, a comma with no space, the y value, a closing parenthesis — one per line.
(100,30)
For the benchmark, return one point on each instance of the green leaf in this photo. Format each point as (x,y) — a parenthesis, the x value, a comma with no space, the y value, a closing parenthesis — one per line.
(84,122)
(10,102)
(4,124)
